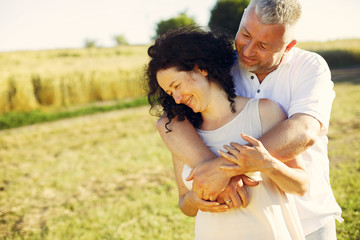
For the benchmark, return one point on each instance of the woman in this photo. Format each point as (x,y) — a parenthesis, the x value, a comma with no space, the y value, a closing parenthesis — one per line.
(189,77)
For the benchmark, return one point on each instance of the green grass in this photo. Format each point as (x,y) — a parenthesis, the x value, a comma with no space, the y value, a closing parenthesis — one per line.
(104,176)
(338,53)
(109,175)
(18,119)
(344,151)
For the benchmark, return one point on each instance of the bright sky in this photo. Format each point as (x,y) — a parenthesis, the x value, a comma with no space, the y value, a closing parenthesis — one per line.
(49,24)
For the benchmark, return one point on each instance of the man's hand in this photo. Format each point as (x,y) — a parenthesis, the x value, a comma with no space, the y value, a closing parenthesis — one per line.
(208,179)
(247,158)
(235,194)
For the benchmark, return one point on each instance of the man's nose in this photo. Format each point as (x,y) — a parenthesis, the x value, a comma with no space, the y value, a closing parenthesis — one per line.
(249,49)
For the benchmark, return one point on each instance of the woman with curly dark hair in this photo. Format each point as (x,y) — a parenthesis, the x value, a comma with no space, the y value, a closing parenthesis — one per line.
(189,77)
(187,49)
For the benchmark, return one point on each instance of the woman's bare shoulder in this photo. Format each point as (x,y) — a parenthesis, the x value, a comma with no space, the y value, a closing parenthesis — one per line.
(270,114)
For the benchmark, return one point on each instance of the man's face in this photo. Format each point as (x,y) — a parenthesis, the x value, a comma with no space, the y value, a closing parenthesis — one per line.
(260,47)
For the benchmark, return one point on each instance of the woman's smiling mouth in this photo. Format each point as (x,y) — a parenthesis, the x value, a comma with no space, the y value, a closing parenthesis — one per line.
(188,101)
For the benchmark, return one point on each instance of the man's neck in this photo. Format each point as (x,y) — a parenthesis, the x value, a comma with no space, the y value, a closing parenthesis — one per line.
(261,76)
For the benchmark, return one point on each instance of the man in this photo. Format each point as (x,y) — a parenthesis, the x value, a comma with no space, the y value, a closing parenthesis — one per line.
(300,82)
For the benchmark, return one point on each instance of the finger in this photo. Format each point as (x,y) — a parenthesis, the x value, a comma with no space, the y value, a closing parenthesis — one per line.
(228,156)
(221,208)
(231,168)
(208,206)
(191,175)
(243,194)
(229,202)
(236,200)
(237,146)
(205,196)
(205,203)
(232,150)
(212,197)
(198,192)
(194,188)
(250,139)
(249,182)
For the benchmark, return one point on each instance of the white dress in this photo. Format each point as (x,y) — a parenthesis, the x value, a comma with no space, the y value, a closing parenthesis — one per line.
(271,214)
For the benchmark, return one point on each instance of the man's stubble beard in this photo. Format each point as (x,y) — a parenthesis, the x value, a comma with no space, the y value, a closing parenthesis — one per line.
(248,68)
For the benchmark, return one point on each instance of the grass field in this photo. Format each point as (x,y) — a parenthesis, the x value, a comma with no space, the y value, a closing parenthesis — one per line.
(344,149)
(109,176)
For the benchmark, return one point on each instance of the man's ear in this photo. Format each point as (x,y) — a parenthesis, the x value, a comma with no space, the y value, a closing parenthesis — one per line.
(290,46)
(203,72)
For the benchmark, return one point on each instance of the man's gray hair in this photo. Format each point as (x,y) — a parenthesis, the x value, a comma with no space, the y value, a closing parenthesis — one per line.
(286,12)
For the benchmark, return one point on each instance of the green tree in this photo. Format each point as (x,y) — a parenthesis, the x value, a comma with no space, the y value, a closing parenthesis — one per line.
(120,40)
(226,15)
(173,23)
(90,43)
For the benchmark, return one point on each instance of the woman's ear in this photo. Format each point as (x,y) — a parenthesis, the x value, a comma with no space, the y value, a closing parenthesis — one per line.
(203,72)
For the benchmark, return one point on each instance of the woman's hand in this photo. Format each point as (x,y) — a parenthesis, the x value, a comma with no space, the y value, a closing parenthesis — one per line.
(208,179)
(208,206)
(235,194)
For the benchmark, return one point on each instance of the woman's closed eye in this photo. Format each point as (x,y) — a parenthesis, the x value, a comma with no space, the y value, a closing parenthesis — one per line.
(176,87)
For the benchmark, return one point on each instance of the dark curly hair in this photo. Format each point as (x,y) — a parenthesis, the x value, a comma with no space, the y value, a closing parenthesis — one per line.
(184,48)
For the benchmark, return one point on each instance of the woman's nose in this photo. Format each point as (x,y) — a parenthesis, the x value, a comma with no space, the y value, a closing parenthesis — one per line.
(177,97)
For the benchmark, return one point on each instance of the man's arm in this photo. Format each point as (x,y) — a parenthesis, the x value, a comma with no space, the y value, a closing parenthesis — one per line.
(291,137)
(289,177)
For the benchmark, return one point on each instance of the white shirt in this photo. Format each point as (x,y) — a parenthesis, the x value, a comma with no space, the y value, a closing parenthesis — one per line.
(302,84)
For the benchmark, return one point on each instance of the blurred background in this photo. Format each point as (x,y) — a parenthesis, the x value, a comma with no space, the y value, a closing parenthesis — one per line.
(41,24)
(101,171)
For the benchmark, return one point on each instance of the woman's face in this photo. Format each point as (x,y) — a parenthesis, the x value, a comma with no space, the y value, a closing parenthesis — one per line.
(186,87)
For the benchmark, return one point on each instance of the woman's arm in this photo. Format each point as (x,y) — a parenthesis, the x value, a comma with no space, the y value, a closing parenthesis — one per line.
(183,141)
(186,146)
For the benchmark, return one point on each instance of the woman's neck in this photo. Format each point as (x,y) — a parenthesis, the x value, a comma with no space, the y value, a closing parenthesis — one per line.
(219,112)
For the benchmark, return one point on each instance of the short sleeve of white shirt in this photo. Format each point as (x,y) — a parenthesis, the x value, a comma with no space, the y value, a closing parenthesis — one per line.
(312,88)
(301,84)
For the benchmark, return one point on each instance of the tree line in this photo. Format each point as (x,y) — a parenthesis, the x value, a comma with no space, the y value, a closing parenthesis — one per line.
(225,16)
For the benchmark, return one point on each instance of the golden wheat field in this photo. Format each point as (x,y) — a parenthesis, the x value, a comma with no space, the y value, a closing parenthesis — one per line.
(53,78)
(49,79)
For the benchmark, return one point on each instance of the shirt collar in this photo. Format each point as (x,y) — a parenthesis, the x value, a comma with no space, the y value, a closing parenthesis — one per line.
(287,57)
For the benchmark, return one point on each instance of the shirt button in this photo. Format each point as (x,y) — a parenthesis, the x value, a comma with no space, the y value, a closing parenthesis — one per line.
(258,91)
(252,77)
